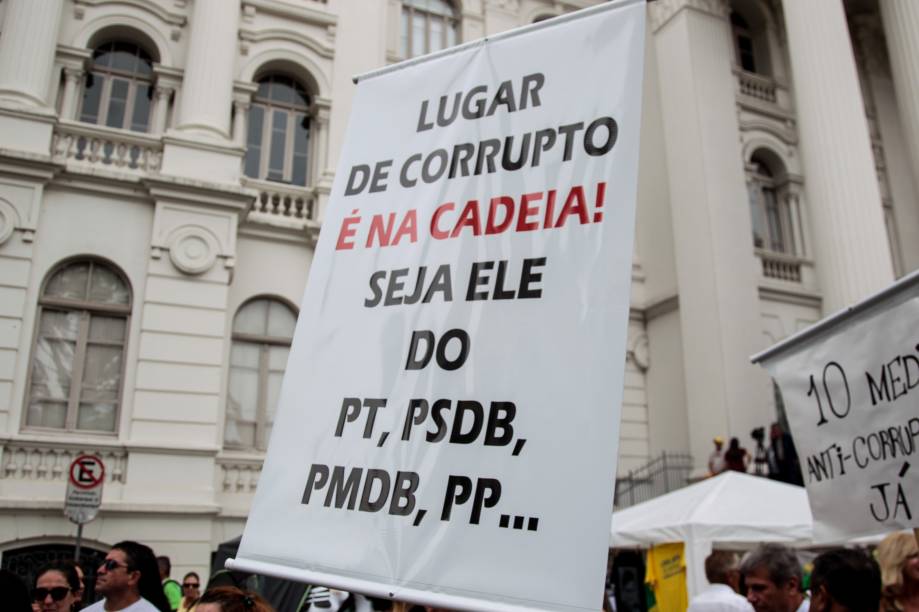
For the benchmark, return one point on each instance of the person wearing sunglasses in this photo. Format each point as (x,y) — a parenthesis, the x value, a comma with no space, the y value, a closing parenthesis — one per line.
(129,580)
(232,599)
(55,589)
(191,591)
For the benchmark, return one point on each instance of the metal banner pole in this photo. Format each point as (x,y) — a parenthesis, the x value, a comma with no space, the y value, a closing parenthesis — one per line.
(76,553)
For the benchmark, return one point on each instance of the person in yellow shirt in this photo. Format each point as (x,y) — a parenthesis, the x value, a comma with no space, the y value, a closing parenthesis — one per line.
(665,578)
(191,591)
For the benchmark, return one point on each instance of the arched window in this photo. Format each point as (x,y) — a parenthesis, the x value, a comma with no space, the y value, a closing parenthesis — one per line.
(743,43)
(119,87)
(78,358)
(277,145)
(428,26)
(262,333)
(771,213)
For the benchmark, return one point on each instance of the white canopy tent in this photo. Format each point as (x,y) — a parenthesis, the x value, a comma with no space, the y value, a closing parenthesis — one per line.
(731,510)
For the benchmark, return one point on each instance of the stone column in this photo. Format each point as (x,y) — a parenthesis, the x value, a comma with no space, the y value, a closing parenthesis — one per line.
(843,198)
(73,80)
(208,83)
(319,134)
(901,29)
(240,121)
(242,102)
(161,96)
(27,48)
(716,269)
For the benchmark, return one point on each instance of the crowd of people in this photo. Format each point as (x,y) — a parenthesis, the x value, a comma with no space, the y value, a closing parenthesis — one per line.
(771,579)
(132,579)
(777,460)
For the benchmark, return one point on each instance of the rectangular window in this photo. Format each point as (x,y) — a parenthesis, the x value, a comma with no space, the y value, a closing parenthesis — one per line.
(436,34)
(419,31)
(745,50)
(53,363)
(101,374)
(277,360)
(118,102)
(776,235)
(254,142)
(278,146)
(92,94)
(140,117)
(243,394)
(755,216)
(404,38)
(301,144)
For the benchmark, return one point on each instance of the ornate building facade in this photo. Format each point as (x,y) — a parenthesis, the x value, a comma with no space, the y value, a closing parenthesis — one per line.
(165,166)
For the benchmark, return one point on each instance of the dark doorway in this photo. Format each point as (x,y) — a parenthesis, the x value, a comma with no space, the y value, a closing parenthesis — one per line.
(26,562)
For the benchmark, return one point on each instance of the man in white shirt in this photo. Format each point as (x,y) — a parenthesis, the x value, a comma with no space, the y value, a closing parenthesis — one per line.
(120,579)
(721,596)
(773,577)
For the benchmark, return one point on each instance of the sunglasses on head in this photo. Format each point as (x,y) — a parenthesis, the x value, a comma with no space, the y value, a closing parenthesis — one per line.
(111,564)
(57,593)
(190,585)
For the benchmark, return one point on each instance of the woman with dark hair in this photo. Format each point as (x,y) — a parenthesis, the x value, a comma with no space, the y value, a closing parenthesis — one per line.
(15,592)
(129,578)
(231,599)
(79,593)
(56,588)
(191,591)
(736,457)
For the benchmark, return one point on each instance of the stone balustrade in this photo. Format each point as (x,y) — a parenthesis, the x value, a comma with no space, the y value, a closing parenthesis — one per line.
(93,146)
(781,268)
(238,475)
(283,205)
(49,461)
(790,271)
(756,86)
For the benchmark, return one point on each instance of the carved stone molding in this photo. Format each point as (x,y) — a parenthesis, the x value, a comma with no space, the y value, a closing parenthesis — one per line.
(9,219)
(662,11)
(511,6)
(193,249)
(639,352)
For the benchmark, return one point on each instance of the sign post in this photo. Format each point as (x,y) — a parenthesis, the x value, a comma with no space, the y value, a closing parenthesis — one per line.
(448,424)
(84,493)
(851,390)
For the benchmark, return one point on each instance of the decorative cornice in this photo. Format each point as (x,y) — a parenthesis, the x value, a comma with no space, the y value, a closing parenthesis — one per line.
(302,14)
(247,36)
(167,76)
(508,6)
(791,295)
(73,57)
(153,8)
(190,191)
(31,166)
(662,11)
(661,307)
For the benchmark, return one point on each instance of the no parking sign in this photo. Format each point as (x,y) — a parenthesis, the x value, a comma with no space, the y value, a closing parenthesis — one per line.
(84,488)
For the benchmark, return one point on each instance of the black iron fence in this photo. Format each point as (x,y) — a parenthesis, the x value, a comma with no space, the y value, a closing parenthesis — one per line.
(661,475)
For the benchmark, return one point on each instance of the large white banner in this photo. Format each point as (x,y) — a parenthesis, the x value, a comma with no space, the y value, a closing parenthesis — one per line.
(851,392)
(448,425)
